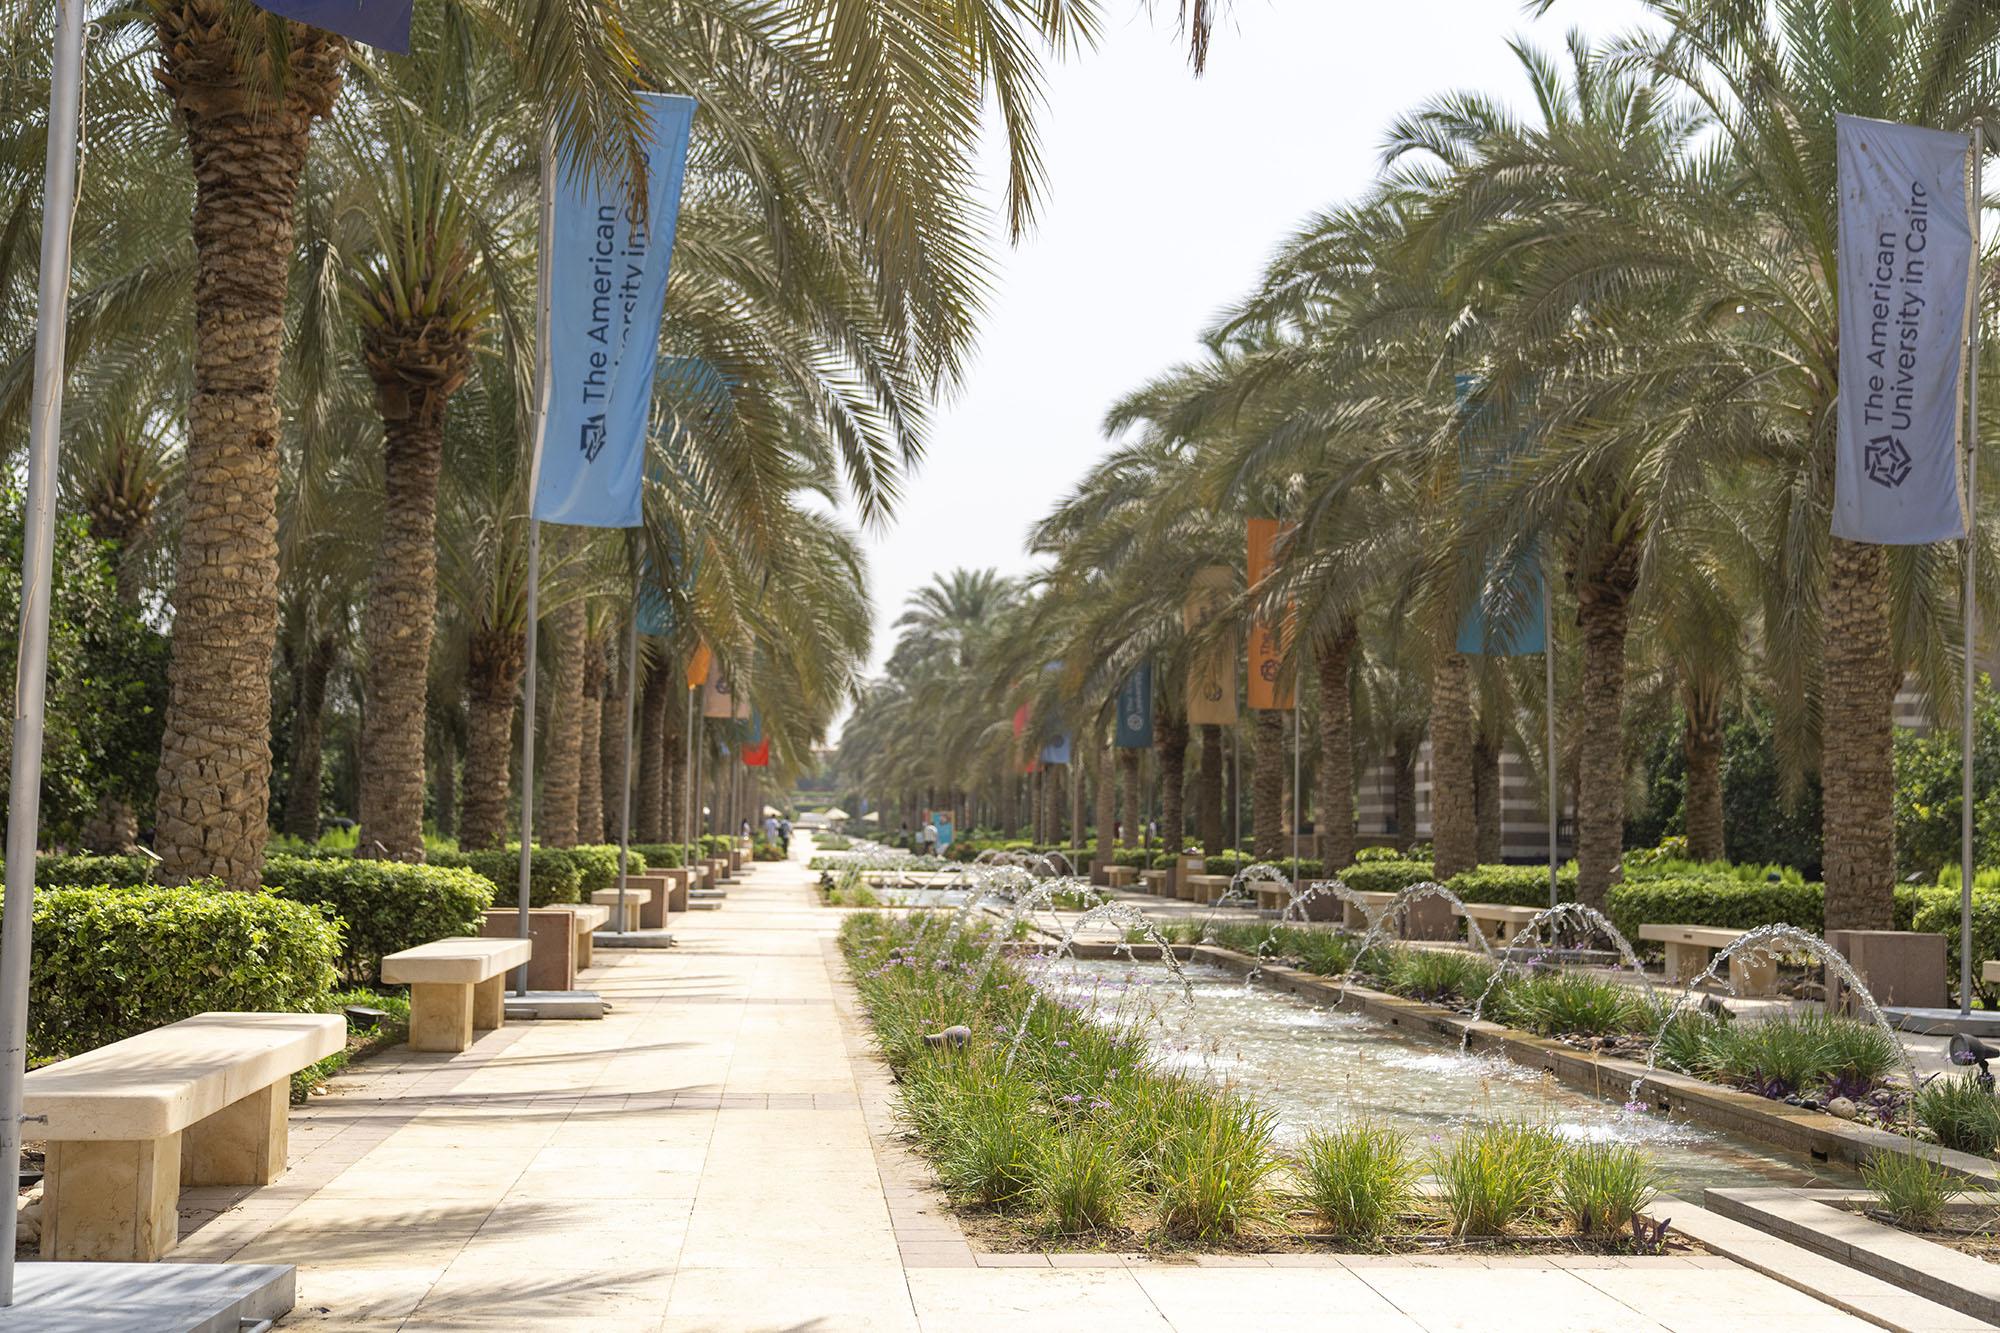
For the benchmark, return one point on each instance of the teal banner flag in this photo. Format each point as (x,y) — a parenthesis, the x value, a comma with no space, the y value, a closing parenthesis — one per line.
(606,300)
(1135,709)
(1507,620)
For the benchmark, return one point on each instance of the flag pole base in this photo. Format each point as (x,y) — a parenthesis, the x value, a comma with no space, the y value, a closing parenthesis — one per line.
(69,1297)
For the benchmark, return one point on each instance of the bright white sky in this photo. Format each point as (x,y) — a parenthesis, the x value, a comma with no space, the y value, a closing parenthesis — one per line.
(1166,195)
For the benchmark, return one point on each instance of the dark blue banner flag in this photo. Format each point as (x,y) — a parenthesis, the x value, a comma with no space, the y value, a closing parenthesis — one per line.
(1512,587)
(1135,709)
(1055,736)
(607,295)
(379,23)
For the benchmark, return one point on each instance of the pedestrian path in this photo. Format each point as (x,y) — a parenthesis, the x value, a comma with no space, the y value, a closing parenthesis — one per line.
(719,1153)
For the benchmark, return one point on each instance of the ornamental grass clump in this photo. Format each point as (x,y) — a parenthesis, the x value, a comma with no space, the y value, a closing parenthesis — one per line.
(1494,1177)
(989,1139)
(1359,1178)
(1603,1186)
(1438,975)
(1560,1004)
(1912,1188)
(1778,1057)
(1081,1179)
(1214,1166)
(1962,1114)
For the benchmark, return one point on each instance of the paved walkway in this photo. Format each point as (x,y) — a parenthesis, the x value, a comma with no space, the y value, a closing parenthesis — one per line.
(717,1154)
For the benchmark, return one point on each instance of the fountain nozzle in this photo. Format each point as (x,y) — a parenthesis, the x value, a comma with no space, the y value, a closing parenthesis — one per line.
(1967,1049)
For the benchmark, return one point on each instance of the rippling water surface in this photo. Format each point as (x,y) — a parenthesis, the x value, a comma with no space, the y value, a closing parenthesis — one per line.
(1315,1067)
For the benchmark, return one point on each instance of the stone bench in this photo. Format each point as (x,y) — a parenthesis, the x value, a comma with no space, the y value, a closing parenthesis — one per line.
(676,878)
(455,986)
(587,917)
(198,1102)
(1121,877)
(1498,922)
(636,899)
(551,934)
(1154,882)
(653,914)
(1428,918)
(1357,913)
(1204,889)
(1690,947)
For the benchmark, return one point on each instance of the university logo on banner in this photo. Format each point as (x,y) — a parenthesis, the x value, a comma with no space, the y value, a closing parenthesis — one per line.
(1135,709)
(1270,685)
(721,698)
(1211,683)
(384,24)
(1906,271)
(607,293)
(1507,619)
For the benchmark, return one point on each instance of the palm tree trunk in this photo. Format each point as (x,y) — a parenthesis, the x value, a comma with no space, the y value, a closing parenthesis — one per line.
(1404,764)
(1267,786)
(1701,744)
(492,676)
(1208,790)
(589,744)
(562,771)
(670,746)
(247,145)
(308,740)
(1172,735)
(1336,748)
(676,823)
(652,741)
(1130,822)
(611,747)
(1454,832)
(1486,798)
(444,785)
(1857,740)
(1604,601)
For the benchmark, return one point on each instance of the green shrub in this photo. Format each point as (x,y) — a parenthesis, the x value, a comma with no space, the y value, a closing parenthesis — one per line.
(112,962)
(1384,876)
(1359,1178)
(1513,886)
(1961,1113)
(1603,1186)
(1438,975)
(1367,854)
(994,1141)
(1214,1165)
(553,874)
(672,856)
(1495,1176)
(83,872)
(1560,1004)
(1684,1041)
(1714,901)
(386,906)
(598,864)
(1800,1053)
(1915,1190)
(1936,910)
(1081,1179)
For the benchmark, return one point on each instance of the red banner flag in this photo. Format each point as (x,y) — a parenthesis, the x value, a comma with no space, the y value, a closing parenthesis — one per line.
(758,755)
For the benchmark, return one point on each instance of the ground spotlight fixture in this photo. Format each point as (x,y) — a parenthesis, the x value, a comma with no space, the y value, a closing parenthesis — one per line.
(363,1017)
(1967,1049)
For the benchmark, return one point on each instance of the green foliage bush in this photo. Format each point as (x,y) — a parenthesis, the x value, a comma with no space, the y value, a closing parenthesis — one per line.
(554,875)
(1384,876)
(1553,1004)
(386,905)
(1962,1114)
(598,864)
(668,855)
(1513,886)
(57,871)
(1714,901)
(113,962)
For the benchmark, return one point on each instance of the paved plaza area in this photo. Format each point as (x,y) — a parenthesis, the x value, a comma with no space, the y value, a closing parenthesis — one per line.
(720,1153)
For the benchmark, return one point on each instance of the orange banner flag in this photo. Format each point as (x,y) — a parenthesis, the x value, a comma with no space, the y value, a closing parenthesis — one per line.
(698,666)
(1270,686)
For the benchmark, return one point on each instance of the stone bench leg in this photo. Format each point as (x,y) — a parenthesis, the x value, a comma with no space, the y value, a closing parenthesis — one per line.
(1753,973)
(489,1003)
(1685,962)
(111,1199)
(440,1017)
(242,1144)
(586,943)
(653,912)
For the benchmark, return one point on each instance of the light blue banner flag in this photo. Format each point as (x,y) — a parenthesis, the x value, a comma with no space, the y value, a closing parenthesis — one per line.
(1135,709)
(1495,625)
(608,292)
(1906,271)
(656,617)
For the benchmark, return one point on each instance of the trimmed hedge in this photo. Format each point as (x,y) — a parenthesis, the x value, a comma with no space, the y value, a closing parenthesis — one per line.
(82,872)
(1513,886)
(386,905)
(1691,901)
(599,864)
(553,874)
(1935,908)
(113,962)
(659,855)
(1384,876)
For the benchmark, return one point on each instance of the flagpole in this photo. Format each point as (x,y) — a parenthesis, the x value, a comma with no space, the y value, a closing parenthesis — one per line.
(1298,749)
(1549,708)
(625,777)
(37,557)
(688,776)
(544,369)
(1969,612)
